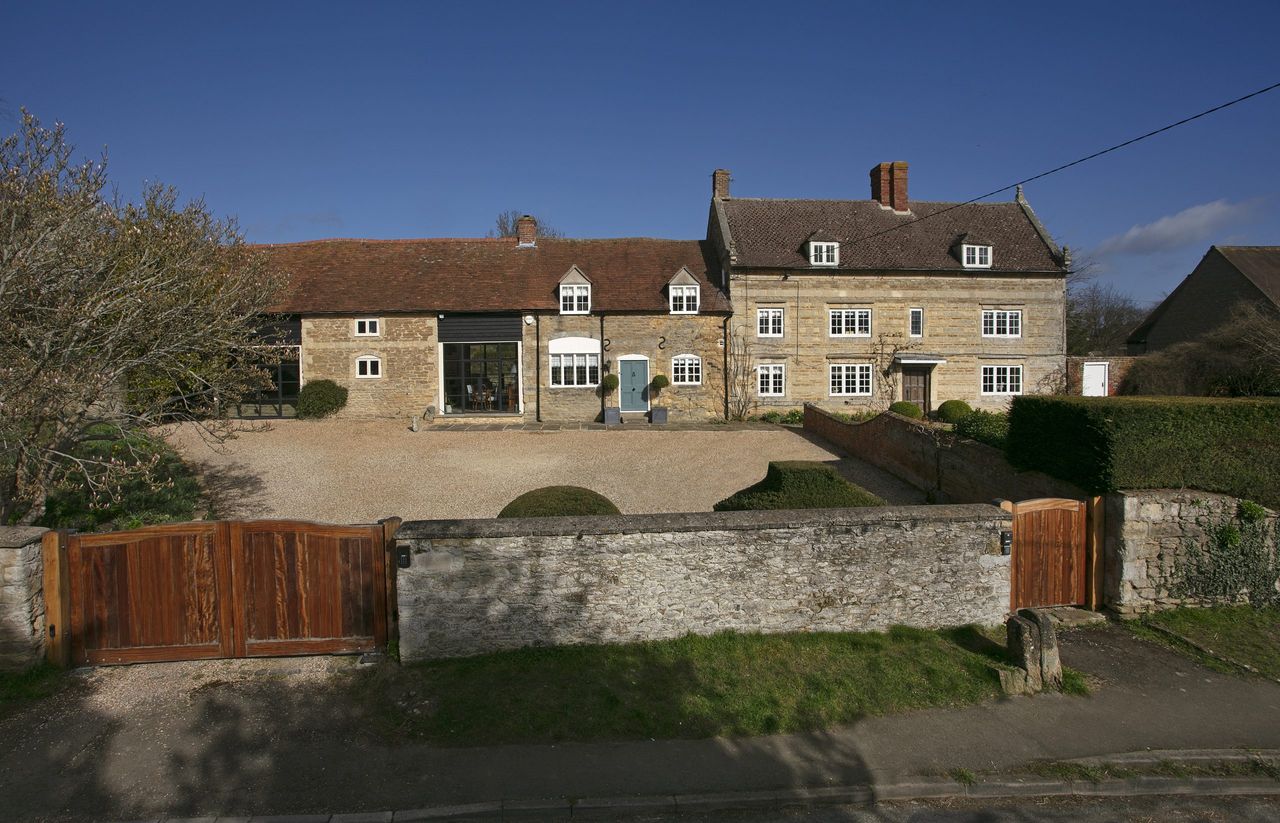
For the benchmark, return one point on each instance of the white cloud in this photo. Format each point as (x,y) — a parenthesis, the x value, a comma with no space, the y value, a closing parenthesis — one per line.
(1193,226)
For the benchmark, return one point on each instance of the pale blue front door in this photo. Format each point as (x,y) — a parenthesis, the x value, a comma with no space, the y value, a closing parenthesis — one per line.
(633,384)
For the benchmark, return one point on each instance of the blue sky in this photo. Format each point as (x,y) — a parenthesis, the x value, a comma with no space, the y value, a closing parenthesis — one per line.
(310,120)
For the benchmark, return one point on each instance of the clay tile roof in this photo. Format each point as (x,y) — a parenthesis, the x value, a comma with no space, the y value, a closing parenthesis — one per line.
(1261,264)
(770,233)
(485,275)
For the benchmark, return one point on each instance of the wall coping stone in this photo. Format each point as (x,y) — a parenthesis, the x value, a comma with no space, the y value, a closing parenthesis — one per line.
(693,521)
(15,537)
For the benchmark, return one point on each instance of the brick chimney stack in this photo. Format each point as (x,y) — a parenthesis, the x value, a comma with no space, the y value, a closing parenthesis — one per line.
(889,185)
(720,184)
(527,231)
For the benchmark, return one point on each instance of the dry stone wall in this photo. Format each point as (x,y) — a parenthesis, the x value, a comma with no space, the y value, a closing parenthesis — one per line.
(479,586)
(21,598)
(1147,534)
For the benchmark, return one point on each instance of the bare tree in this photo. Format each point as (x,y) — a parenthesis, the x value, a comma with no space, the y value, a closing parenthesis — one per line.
(1100,319)
(741,374)
(504,225)
(114,318)
(884,352)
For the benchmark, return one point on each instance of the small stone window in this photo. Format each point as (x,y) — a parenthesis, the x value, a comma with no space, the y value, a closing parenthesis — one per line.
(368,327)
(368,366)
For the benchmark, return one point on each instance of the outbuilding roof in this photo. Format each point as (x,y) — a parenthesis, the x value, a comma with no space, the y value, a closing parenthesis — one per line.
(486,274)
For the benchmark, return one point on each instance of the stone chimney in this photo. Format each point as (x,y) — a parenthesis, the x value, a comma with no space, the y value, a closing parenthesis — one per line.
(527,231)
(889,185)
(720,184)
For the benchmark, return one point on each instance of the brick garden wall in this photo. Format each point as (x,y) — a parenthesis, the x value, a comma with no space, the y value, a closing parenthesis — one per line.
(1119,367)
(484,585)
(962,472)
(21,598)
(1147,533)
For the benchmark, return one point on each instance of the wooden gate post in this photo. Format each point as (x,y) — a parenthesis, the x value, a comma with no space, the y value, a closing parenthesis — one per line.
(57,599)
(1095,548)
(389,527)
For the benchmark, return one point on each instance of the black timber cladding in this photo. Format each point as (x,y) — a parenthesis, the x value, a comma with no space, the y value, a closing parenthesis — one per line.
(480,328)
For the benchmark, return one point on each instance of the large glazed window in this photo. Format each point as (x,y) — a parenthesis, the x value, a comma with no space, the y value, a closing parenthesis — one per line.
(481,378)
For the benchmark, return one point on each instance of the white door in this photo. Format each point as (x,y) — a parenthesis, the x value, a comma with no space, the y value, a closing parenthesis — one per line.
(1095,379)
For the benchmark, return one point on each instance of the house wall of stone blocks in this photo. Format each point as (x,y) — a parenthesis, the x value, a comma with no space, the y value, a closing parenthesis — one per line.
(478,586)
(952,305)
(406,345)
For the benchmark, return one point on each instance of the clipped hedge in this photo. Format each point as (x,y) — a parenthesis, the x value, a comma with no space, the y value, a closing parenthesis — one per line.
(559,501)
(987,427)
(1226,445)
(799,484)
(320,398)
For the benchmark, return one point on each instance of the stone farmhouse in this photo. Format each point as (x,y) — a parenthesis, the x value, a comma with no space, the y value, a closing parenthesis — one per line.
(842,303)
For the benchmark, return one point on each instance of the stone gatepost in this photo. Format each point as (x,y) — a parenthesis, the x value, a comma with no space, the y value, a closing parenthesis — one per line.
(1033,643)
(21,597)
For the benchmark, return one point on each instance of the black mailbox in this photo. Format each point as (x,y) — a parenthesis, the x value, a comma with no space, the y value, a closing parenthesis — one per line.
(404,556)
(1006,543)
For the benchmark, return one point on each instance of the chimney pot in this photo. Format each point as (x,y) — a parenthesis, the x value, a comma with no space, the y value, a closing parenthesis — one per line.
(720,184)
(527,231)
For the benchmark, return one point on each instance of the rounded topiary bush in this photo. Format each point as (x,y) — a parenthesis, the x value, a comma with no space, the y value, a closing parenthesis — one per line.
(320,398)
(559,501)
(609,383)
(953,411)
(907,409)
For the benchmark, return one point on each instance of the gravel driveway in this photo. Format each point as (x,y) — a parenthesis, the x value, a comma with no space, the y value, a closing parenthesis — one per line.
(343,471)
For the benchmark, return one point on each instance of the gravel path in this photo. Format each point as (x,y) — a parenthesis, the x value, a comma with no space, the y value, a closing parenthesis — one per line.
(344,471)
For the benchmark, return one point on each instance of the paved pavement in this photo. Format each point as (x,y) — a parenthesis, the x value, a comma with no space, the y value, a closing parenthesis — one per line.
(277,736)
(343,471)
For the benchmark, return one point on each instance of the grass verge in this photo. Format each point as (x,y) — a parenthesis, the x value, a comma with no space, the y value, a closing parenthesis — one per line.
(1097,772)
(20,688)
(1240,633)
(725,684)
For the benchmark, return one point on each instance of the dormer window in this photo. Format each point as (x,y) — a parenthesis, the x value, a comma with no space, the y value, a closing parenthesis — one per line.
(684,299)
(824,253)
(975,256)
(575,298)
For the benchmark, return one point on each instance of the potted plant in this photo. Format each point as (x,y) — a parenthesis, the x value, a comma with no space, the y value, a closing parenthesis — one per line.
(658,414)
(612,414)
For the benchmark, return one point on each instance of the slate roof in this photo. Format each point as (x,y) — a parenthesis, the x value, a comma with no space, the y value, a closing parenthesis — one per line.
(485,275)
(770,233)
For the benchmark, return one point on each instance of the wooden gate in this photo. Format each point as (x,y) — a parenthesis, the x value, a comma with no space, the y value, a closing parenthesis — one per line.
(1049,565)
(218,589)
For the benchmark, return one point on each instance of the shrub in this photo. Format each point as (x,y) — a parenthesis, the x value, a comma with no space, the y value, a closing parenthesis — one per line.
(559,501)
(952,411)
(907,409)
(1102,444)
(165,491)
(1241,561)
(799,484)
(609,384)
(320,398)
(791,417)
(991,428)
(659,382)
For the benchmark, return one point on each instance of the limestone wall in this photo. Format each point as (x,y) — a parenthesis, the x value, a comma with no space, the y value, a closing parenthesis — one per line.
(478,586)
(1147,533)
(21,598)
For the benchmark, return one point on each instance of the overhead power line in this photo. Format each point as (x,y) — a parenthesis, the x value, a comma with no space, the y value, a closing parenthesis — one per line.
(1066,166)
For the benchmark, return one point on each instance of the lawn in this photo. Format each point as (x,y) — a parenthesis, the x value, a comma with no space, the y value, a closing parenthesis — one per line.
(725,684)
(1241,633)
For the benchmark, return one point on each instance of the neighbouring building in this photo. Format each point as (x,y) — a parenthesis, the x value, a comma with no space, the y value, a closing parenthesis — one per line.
(1227,279)
(522,327)
(864,302)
